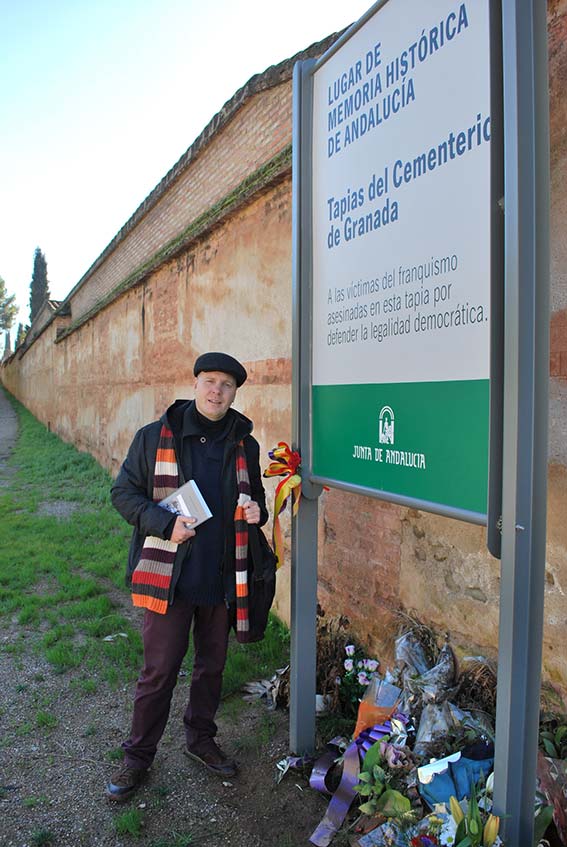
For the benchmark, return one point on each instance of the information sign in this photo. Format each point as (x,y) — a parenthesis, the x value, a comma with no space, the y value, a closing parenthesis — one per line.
(401,256)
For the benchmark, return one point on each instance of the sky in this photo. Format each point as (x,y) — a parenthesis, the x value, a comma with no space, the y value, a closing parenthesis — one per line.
(99,99)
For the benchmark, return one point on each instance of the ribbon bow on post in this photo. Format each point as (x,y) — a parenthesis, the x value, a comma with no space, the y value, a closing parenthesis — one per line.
(285,462)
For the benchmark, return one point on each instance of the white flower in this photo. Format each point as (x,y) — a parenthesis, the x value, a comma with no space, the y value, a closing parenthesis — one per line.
(372,665)
(349,649)
(348,664)
(362,678)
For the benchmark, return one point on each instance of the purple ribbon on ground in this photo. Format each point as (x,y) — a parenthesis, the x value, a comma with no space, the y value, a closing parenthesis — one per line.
(341,800)
(320,770)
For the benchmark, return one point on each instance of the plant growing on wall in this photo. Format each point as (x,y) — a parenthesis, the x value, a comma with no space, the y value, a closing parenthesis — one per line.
(21,335)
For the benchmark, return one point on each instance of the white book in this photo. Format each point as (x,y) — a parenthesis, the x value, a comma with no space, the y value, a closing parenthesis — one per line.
(189,502)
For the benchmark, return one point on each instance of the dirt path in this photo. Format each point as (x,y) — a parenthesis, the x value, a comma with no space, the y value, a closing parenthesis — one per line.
(8,434)
(55,741)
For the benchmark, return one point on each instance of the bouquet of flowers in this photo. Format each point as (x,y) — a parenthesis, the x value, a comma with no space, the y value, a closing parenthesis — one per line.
(359,671)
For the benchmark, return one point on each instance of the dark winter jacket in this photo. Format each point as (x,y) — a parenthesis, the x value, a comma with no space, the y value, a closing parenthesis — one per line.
(133,489)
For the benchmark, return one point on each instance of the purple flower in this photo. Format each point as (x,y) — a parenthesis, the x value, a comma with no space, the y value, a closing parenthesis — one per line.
(349,649)
(372,665)
(348,664)
(394,757)
(362,678)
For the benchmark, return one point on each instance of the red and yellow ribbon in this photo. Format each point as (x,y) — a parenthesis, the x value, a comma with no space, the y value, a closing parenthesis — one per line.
(285,462)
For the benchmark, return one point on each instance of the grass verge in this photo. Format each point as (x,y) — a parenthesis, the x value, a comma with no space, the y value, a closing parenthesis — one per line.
(62,558)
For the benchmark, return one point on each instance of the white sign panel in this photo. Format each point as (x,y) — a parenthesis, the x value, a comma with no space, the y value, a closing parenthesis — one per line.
(401,244)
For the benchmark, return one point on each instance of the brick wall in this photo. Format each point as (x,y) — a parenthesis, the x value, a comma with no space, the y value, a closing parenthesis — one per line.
(558,345)
(557,46)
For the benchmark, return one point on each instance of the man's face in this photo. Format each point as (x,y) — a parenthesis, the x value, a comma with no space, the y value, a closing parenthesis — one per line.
(214,393)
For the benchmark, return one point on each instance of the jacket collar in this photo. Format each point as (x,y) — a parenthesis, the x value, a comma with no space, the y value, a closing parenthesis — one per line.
(181,419)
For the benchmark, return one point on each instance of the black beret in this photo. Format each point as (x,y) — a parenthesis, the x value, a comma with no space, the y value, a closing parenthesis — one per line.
(221,362)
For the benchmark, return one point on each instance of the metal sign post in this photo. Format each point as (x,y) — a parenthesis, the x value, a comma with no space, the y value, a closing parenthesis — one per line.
(526,379)
(304,527)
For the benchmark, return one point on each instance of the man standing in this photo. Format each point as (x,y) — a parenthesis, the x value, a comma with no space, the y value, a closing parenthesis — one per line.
(185,576)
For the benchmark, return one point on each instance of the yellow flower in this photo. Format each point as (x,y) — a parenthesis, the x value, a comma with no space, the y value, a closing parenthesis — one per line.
(491,828)
(456,810)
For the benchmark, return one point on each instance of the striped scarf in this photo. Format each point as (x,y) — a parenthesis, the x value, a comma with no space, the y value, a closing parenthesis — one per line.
(241,547)
(151,579)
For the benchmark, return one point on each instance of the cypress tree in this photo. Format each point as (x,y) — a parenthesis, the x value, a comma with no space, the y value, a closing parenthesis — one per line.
(39,285)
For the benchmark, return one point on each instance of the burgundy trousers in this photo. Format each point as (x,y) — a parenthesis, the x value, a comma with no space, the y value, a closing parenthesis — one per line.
(166,639)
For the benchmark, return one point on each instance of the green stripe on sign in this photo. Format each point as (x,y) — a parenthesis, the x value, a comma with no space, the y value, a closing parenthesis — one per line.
(426,440)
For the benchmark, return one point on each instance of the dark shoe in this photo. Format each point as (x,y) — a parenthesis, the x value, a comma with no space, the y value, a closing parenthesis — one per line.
(212,757)
(124,782)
